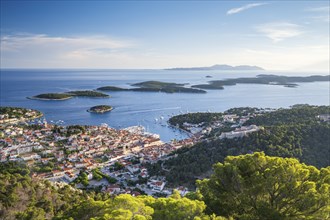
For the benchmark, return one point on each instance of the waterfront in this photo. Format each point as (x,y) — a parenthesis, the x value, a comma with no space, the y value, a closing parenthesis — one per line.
(148,109)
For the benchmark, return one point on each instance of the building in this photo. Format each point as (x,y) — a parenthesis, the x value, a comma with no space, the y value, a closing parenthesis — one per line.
(324,117)
(239,132)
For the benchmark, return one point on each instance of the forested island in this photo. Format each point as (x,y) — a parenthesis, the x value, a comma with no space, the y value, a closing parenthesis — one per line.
(100,109)
(155,86)
(69,95)
(168,87)
(52,96)
(111,88)
(296,132)
(287,81)
(88,93)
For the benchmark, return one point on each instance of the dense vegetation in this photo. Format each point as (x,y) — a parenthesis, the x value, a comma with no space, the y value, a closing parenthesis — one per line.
(68,95)
(298,114)
(26,198)
(169,90)
(53,96)
(205,118)
(164,87)
(88,93)
(111,88)
(155,86)
(244,111)
(263,79)
(294,132)
(22,197)
(245,187)
(194,118)
(262,187)
(100,108)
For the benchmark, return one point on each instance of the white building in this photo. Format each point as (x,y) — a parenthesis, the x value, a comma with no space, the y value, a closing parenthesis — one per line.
(239,132)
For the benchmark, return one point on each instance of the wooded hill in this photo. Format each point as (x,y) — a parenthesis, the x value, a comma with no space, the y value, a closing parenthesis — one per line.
(295,133)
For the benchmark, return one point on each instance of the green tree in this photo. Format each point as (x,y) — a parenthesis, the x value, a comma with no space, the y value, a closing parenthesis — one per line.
(256,186)
(176,207)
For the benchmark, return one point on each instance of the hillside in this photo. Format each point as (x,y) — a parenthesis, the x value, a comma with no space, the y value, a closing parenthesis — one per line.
(295,132)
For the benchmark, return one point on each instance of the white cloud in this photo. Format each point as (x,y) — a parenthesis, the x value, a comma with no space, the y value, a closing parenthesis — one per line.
(319,9)
(279,31)
(20,42)
(320,13)
(29,50)
(243,8)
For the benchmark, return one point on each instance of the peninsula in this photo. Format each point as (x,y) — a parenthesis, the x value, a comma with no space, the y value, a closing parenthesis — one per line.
(12,115)
(100,109)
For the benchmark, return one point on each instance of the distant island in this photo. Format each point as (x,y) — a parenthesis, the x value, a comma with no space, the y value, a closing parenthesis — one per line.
(69,95)
(287,81)
(155,86)
(100,109)
(219,67)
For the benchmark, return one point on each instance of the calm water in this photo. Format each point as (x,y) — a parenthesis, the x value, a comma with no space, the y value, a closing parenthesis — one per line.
(147,109)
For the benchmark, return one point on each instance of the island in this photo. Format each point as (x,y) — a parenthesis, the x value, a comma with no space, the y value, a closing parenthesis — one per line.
(287,81)
(111,88)
(87,93)
(12,115)
(69,95)
(100,109)
(52,96)
(155,86)
(219,67)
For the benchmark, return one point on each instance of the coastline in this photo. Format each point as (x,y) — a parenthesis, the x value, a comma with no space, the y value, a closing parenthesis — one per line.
(15,120)
(180,129)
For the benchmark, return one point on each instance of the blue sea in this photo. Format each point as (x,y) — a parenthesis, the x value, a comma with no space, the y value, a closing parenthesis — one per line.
(148,109)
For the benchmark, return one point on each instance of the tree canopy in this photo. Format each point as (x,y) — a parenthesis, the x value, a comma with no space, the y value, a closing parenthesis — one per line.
(257,186)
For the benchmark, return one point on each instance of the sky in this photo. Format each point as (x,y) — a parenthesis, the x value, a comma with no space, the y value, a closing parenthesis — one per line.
(275,35)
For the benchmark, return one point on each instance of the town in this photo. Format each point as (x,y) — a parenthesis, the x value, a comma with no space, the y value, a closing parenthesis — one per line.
(101,157)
